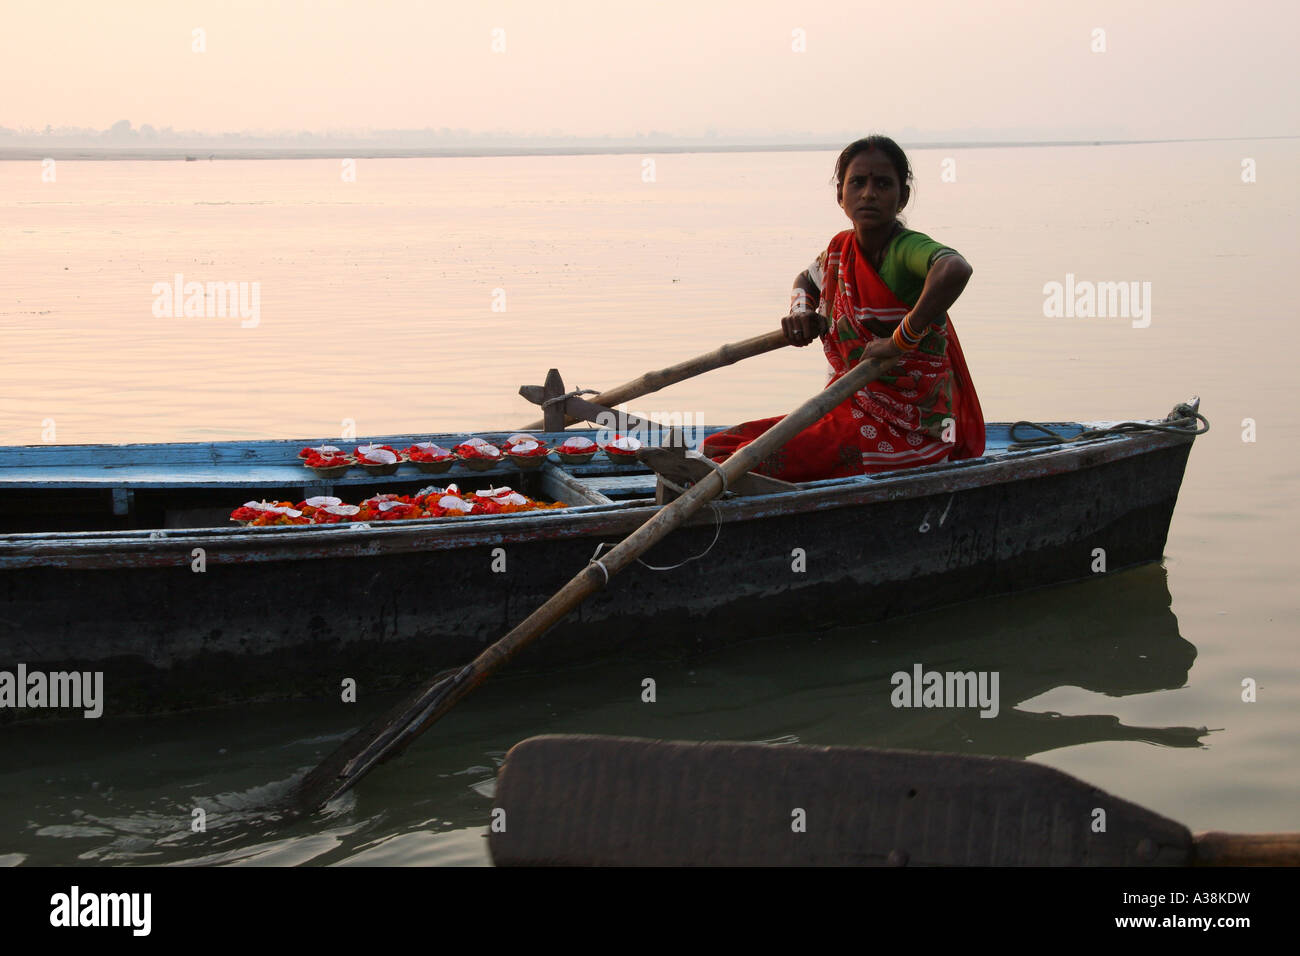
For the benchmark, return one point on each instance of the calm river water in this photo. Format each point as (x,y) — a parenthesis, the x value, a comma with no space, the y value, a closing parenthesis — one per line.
(419,297)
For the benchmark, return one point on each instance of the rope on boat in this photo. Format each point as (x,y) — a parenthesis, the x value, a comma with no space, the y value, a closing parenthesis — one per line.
(721,474)
(717,531)
(577,392)
(1185,419)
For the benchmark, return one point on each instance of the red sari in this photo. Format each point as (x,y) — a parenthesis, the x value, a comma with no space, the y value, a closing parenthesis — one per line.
(923,411)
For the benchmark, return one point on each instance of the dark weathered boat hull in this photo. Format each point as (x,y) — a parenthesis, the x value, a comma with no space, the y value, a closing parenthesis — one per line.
(289,613)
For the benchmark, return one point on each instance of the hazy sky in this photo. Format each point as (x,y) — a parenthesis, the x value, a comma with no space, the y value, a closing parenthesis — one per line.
(1169,69)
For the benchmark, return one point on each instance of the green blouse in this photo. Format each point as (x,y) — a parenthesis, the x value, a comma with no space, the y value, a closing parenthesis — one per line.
(908,258)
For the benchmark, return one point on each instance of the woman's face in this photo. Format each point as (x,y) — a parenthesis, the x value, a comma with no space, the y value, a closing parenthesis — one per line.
(871,195)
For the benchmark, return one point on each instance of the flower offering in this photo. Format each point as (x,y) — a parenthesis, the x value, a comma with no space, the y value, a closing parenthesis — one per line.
(525,451)
(431,502)
(430,457)
(623,451)
(577,450)
(379,459)
(326,460)
(478,455)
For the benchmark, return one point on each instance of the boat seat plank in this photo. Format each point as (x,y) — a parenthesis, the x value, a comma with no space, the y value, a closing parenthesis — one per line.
(559,485)
(641,485)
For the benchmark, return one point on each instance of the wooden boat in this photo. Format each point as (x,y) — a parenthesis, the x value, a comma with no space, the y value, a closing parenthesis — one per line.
(101,543)
(619,801)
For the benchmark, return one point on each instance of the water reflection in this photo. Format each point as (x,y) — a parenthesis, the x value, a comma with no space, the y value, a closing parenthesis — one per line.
(1116,637)
(125,791)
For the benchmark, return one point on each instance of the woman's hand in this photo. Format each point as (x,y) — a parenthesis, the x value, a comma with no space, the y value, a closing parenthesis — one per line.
(881,349)
(802,328)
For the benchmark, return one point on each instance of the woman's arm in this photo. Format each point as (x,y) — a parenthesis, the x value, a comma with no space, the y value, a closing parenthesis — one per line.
(943,284)
(804,283)
(803,325)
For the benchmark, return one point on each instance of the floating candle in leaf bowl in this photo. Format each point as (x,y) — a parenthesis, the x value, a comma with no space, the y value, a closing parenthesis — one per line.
(478,455)
(527,453)
(320,451)
(379,459)
(577,450)
(327,461)
(622,451)
(430,457)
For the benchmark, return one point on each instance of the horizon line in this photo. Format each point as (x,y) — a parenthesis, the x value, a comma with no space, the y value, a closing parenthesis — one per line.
(170,153)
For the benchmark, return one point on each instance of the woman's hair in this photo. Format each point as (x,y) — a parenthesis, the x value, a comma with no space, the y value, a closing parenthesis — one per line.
(894,152)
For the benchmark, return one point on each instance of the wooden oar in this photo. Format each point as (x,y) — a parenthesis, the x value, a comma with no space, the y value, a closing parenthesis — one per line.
(578,800)
(653,381)
(390,733)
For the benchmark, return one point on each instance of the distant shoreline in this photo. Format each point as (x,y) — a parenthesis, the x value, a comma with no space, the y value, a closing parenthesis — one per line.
(199,153)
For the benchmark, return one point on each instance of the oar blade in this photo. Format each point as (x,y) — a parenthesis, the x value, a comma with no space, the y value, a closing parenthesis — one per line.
(377,741)
(576,800)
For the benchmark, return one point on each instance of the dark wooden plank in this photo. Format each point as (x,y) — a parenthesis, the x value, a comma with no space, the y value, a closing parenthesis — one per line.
(609,801)
(553,414)
(559,485)
(686,467)
(583,410)
(653,381)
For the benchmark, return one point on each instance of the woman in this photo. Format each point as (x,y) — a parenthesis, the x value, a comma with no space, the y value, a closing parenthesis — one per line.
(878,291)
